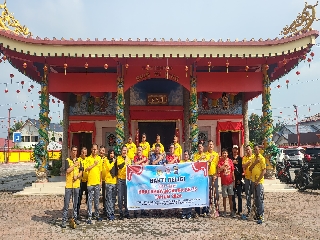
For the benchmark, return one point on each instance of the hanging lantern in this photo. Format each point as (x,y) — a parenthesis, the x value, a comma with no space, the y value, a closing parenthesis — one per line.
(278,86)
(18,91)
(53,101)
(45,68)
(86,65)
(24,67)
(39,92)
(25,107)
(167,71)
(4,58)
(29,90)
(287,82)
(209,66)
(266,67)
(11,76)
(106,66)
(309,109)
(246,69)
(309,61)
(32,86)
(6,90)
(58,102)
(312,54)
(65,68)
(32,104)
(280,112)
(284,61)
(148,67)
(186,69)
(126,66)
(304,57)
(22,83)
(227,66)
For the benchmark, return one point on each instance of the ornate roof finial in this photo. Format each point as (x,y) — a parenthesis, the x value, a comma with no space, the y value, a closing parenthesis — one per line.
(8,22)
(303,22)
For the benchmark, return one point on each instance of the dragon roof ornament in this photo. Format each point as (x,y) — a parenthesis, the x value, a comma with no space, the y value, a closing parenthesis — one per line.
(303,22)
(8,22)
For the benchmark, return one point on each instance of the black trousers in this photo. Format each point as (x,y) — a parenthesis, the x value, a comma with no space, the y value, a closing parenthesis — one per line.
(83,188)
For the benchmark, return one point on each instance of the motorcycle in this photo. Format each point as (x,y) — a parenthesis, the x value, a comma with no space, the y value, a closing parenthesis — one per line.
(279,167)
(284,173)
(305,179)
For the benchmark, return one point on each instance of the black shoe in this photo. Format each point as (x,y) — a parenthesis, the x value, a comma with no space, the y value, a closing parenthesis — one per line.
(127,216)
(135,215)
(121,217)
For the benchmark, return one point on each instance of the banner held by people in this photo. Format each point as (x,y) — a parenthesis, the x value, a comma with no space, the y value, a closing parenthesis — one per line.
(168,186)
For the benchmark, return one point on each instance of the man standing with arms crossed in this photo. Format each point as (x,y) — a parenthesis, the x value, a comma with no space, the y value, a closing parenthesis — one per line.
(258,169)
(213,178)
(94,168)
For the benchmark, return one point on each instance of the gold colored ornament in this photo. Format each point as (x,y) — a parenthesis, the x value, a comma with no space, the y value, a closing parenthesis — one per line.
(303,22)
(8,22)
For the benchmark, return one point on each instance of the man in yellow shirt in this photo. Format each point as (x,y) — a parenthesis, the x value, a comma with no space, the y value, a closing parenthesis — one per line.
(202,157)
(246,163)
(94,169)
(73,176)
(258,169)
(158,142)
(213,159)
(111,183)
(84,178)
(102,152)
(132,148)
(145,146)
(177,148)
(122,161)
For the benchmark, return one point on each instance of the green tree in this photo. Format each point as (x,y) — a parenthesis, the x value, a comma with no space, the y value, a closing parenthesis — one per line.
(15,127)
(255,129)
(278,127)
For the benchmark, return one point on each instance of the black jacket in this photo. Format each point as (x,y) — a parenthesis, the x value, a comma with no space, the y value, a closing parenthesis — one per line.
(238,168)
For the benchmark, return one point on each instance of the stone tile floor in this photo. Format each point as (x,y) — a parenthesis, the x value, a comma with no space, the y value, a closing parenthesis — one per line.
(291,215)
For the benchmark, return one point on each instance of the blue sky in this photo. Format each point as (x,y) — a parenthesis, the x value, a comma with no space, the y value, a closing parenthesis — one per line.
(209,19)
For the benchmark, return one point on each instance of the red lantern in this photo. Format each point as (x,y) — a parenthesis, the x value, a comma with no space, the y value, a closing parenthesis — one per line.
(11,76)
(4,58)
(227,66)
(287,82)
(278,86)
(106,66)
(6,90)
(209,66)
(186,69)
(167,71)
(18,91)
(39,92)
(266,67)
(148,67)
(29,90)
(86,65)
(65,68)
(126,66)
(22,83)
(32,86)
(304,57)
(25,107)
(24,67)
(309,61)
(246,68)
(312,54)
(280,112)
(45,68)
(58,102)
(297,72)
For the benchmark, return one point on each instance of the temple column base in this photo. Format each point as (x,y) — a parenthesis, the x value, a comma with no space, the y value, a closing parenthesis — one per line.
(42,176)
(270,174)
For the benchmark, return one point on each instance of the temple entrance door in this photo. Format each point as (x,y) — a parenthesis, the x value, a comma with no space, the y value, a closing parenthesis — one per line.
(226,141)
(166,130)
(82,139)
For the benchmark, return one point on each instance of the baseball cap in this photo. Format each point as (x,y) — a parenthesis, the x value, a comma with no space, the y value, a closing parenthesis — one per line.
(235,146)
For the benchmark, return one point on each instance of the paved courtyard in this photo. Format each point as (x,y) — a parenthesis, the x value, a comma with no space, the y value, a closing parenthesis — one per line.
(288,216)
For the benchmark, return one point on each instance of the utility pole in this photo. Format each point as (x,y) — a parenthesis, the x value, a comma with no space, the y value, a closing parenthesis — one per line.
(297,124)
(10,109)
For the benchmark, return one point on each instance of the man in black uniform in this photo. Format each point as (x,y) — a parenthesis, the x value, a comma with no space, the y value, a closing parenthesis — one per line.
(238,171)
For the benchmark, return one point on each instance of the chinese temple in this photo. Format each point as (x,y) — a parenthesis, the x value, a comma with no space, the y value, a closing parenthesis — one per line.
(197,89)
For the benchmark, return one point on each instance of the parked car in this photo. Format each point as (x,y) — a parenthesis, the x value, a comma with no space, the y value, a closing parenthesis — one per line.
(312,156)
(296,155)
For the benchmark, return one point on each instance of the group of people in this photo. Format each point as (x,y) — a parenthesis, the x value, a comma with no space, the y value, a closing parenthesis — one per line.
(107,172)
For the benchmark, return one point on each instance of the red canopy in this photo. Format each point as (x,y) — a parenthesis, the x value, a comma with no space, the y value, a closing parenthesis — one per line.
(229,126)
(82,127)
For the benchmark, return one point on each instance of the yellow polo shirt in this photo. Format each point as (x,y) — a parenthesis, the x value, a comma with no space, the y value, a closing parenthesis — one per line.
(177,150)
(104,170)
(161,147)
(122,172)
(214,163)
(200,157)
(145,148)
(132,149)
(247,172)
(184,161)
(94,173)
(258,168)
(69,176)
(108,178)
